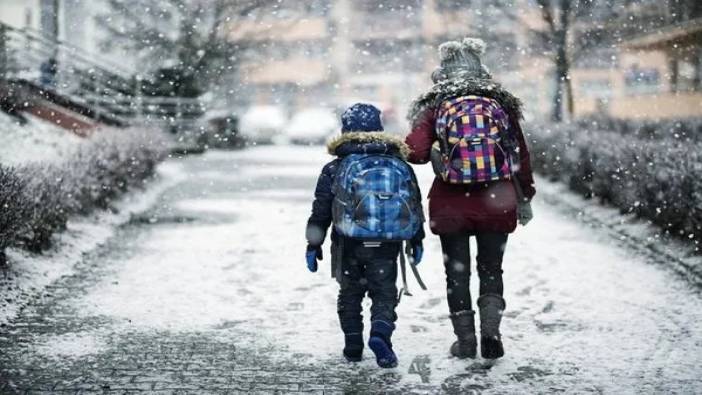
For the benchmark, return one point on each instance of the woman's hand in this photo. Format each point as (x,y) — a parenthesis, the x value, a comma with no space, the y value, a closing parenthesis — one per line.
(524,212)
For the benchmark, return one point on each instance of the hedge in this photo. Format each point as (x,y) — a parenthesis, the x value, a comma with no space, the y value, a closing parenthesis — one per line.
(652,169)
(36,200)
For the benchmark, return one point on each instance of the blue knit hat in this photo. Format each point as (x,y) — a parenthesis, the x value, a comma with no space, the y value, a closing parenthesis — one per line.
(361,117)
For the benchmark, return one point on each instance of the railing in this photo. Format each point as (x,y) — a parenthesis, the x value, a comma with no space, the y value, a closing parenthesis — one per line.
(107,89)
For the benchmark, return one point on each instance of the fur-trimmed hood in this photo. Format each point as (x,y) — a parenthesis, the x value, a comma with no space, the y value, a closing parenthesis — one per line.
(369,143)
(464,86)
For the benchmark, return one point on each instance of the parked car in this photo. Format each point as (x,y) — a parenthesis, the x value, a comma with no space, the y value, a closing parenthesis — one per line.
(223,128)
(312,126)
(262,124)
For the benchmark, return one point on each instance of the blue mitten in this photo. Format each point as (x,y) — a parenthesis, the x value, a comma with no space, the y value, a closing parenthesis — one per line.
(313,254)
(417,252)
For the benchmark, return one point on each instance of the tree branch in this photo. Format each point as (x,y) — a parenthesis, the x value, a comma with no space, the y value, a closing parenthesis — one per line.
(547,14)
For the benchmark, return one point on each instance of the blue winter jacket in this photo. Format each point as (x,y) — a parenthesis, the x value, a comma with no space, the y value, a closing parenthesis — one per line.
(347,144)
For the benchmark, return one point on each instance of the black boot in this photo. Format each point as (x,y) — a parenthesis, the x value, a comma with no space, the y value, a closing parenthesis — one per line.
(491,308)
(353,348)
(464,328)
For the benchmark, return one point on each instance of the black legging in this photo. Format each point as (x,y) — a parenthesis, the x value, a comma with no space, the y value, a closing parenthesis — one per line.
(491,248)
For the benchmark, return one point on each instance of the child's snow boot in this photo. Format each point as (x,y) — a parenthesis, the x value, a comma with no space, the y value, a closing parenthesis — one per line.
(491,308)
(353,348)
(379,342)
(464,327)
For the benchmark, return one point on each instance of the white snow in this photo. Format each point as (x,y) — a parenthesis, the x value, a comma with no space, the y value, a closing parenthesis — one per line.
(580,308)
(35,141)
(69,345)
(29,273)
(262,123)
(312,125)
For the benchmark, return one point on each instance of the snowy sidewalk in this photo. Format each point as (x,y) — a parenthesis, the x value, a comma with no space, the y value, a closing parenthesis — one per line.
(209,292)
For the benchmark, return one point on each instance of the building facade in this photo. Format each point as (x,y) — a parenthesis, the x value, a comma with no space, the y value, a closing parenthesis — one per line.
(73,22)
(654,75)
(341,51)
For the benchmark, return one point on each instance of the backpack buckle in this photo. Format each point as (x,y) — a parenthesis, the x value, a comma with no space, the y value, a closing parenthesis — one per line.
(384,196)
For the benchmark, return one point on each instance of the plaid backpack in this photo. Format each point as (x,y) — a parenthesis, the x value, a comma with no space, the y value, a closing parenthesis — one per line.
(376,197)
(475,142)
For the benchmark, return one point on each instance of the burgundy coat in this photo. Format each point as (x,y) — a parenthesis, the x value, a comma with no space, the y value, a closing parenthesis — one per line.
(470,208)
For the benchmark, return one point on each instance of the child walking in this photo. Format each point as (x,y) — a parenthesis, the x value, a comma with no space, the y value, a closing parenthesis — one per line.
(371,196)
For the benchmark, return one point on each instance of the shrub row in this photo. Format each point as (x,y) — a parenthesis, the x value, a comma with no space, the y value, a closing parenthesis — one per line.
(36,200)
(680,129)
(656,175)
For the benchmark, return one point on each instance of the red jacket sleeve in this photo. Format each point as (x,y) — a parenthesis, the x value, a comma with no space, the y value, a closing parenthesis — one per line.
(422,137)
(524,174)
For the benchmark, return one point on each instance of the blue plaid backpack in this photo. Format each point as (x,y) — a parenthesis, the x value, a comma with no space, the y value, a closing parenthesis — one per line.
(376,197)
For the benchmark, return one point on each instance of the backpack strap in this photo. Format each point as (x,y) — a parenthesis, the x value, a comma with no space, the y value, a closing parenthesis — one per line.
(415,271)
(404,249)
(403,270)
(509,140)
(518,188)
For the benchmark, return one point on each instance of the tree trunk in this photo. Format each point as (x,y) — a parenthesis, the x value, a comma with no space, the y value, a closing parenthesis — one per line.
(562,64)
(570,100)
(3,57)
(557,110)
(561,67)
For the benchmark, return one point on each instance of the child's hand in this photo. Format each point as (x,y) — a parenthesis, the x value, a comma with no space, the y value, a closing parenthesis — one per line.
(417,253)
(314,254)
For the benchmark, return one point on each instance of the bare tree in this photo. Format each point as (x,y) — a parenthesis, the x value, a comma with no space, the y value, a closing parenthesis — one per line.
(558,18)
(573,28)
(190,38)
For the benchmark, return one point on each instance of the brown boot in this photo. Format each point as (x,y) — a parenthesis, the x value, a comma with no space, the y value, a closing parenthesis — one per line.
(464,328)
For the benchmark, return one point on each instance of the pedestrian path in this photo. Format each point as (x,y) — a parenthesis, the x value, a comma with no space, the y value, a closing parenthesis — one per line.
(208,292)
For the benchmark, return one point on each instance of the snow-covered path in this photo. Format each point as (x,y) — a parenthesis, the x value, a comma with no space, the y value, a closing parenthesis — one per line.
(209,292)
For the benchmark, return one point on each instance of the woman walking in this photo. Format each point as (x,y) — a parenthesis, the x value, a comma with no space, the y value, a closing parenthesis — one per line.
(468,126)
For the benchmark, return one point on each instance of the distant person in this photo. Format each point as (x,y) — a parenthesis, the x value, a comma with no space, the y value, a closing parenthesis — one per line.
(48,71)
(371,196)
(468,126)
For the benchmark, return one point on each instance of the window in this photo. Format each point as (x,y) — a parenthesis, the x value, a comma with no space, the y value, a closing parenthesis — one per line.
(448,5)
(688,77)
(595,88)
(640,81)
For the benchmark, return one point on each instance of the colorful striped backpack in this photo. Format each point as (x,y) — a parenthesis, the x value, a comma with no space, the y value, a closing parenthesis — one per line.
(475,141)
(376,197)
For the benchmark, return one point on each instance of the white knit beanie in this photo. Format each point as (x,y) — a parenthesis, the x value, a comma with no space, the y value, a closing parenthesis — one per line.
(461,57)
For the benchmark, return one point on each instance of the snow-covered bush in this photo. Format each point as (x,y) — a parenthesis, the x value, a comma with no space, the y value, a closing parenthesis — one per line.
(37,199)
(652,169)
(12,206)
(45,211)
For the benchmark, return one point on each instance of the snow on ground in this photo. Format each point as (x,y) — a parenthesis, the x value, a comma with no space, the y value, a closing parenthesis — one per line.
(584,314)
(29,273)
(635,233)
(37,140)
(69,345)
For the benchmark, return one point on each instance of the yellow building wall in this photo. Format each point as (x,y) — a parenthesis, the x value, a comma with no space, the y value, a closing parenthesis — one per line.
(625,104)
(278,30)
(300,71)
(666,105)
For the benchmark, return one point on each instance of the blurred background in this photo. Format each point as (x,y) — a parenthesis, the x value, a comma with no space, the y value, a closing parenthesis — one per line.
(259,67)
